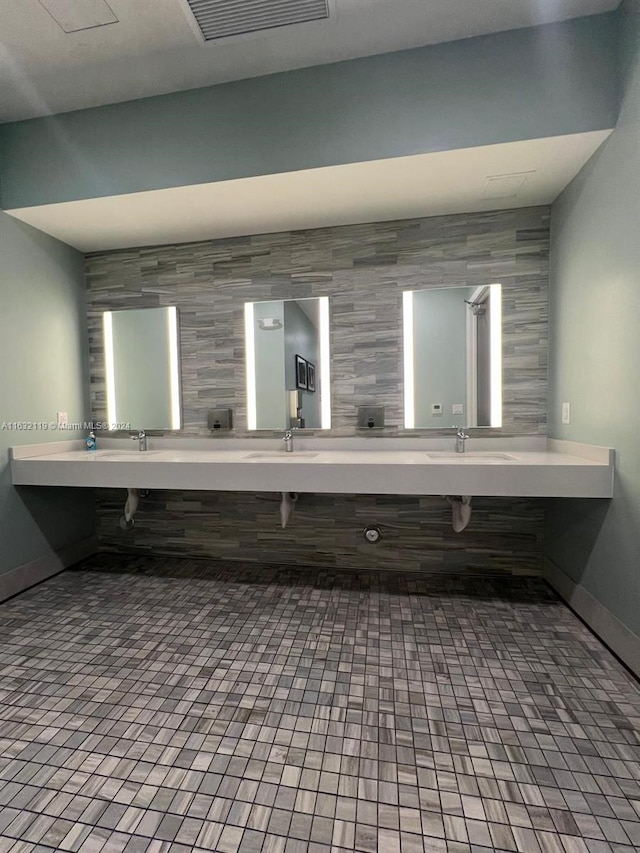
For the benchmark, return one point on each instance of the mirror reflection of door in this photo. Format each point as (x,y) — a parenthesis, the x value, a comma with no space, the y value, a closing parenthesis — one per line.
(478,343)
(301,340)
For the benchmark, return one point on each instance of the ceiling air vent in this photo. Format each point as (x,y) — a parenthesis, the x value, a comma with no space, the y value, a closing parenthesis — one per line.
(218,19)
(505,186)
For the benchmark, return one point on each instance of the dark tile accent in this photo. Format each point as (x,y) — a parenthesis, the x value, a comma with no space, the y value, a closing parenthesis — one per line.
(505,535)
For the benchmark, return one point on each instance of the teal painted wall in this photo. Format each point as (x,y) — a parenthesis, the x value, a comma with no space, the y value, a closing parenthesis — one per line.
(523,84)
(595,349)
(43,369)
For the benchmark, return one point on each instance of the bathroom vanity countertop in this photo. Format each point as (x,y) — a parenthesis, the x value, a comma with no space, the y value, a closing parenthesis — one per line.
(513,467)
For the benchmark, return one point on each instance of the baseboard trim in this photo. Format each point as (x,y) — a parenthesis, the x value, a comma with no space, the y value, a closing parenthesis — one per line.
(22,577)
(622,641)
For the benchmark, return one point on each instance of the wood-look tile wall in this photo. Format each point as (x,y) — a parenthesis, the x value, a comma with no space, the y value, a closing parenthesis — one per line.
(363,269)
(504,535)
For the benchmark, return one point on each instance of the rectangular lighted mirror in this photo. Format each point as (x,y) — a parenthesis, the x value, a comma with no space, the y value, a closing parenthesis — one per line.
(288,367)
(453,357)
(142,366)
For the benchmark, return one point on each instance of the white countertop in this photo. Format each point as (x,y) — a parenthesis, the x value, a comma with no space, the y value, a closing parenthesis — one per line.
(534,467)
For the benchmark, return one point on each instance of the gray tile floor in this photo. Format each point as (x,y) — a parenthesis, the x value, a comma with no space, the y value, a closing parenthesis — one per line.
(168,705)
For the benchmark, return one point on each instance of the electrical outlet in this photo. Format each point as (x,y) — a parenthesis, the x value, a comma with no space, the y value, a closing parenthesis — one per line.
(566,413)
(62,419)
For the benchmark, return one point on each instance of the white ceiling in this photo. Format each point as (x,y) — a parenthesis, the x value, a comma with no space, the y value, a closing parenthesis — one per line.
(153,48)
(460,181)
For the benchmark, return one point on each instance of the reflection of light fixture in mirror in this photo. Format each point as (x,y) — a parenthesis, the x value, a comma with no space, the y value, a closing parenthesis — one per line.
(407,324)
(110,369)
(252,408)
(495,305)
(325,364)
(174,369)
(485,301)
(268,324)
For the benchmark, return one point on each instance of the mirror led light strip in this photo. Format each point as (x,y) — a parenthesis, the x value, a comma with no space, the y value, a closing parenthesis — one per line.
(109,364)
(495,304)
(172,328)
(409,390)
(325,364)
(252,407)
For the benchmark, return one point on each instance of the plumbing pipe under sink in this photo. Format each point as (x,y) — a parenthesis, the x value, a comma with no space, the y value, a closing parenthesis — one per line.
(287,505)
(460,511)
(127,521)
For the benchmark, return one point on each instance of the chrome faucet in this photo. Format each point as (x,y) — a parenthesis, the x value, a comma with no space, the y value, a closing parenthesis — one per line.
(141,438)
(288,441)
(461,437)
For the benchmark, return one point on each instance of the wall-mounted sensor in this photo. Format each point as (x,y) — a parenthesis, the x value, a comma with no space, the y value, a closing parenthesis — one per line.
(370,417)
(372,533)
(436,408)
(219,420)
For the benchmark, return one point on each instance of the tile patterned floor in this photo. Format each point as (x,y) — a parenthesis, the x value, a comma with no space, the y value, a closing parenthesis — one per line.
(177,706)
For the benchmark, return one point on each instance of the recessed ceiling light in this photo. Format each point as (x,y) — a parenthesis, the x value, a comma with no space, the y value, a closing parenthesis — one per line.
(75,15)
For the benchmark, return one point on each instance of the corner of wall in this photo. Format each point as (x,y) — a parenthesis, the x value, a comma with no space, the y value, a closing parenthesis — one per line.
(620,639)
(22,577)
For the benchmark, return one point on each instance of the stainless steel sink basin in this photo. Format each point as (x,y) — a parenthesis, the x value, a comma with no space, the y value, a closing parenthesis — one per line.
(281,455)
(476,455)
